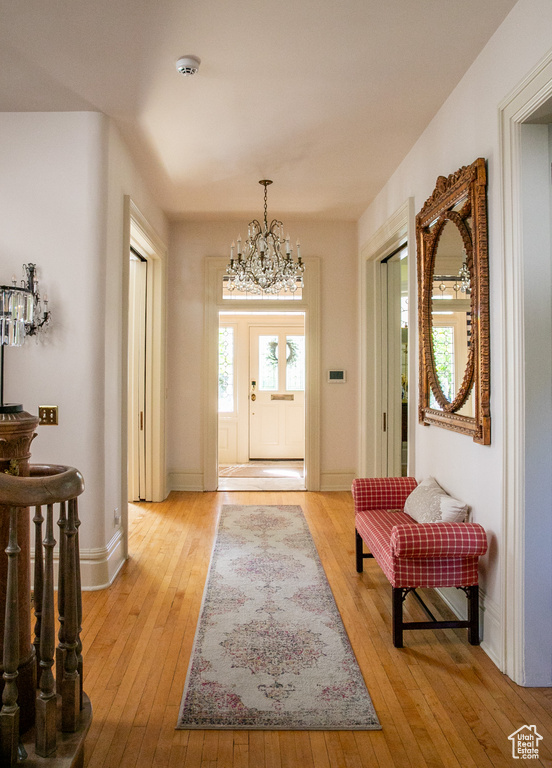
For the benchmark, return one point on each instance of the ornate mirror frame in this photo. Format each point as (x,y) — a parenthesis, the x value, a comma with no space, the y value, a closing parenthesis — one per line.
(461,200)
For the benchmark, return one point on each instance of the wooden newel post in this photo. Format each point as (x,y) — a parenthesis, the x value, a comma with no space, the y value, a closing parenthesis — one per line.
(17,431)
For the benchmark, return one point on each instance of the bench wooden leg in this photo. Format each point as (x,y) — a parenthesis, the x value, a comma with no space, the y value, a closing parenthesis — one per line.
(359,557)
(473,615)
(398,599)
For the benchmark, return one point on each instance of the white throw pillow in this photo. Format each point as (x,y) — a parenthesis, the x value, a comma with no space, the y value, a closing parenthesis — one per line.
(429,503)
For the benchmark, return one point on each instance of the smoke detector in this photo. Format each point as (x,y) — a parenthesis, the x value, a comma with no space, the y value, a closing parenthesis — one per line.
(188,65)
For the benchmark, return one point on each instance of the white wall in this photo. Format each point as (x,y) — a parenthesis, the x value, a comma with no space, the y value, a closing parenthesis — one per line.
(50,206)
(465,128)
(335,244)
(64,176)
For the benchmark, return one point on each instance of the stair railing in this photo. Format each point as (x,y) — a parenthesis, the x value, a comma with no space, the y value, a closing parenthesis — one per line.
(60,699)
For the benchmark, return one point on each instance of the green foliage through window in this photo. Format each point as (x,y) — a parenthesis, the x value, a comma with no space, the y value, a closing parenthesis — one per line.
(443,352)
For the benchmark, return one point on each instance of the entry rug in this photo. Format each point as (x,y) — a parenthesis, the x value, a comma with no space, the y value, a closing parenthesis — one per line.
(270,650)
(272,469)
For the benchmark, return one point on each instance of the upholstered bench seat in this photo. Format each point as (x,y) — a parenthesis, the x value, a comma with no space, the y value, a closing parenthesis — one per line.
(415,554)
(422,554)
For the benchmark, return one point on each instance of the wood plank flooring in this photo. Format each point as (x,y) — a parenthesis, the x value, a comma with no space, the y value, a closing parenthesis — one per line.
(440,701)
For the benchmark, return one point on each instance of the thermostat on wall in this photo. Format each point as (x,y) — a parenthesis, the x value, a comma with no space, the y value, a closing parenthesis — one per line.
(337,377)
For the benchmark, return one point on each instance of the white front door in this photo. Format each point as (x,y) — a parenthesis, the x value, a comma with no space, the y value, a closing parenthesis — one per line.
(277,393)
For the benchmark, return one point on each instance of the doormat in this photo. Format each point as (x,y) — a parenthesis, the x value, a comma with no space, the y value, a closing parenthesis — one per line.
(271,651)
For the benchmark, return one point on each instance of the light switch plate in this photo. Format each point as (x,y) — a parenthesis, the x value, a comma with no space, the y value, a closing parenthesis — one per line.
(47,414)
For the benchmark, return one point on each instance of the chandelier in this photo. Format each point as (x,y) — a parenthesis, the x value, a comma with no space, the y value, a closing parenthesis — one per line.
(266,264)
(465,277)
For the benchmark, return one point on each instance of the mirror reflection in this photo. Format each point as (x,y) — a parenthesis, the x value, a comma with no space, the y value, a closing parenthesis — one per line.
(451,315)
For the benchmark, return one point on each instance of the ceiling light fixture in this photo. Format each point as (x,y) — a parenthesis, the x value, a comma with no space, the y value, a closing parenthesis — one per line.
(262,266)
(188,65)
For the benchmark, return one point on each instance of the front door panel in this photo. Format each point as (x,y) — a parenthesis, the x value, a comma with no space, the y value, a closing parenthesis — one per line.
(277,393)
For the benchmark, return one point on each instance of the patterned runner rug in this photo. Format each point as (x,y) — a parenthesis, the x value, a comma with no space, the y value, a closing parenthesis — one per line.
(270,650)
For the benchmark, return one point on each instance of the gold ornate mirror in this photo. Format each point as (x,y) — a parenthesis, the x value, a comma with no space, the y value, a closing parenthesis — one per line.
(453,305)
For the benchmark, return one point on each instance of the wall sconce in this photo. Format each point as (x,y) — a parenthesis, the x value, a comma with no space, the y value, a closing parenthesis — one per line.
(21,315)
(40,318)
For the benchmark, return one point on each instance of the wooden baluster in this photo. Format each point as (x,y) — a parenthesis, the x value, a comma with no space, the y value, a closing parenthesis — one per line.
(80,662)
(38,582)
(60,651)
(46,704)
(70,687)
(9,715)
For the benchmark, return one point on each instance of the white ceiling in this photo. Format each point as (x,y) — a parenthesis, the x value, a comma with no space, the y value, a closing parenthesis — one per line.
(323,97)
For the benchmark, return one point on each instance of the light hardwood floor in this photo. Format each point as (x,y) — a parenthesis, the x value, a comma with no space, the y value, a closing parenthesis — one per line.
(440,701)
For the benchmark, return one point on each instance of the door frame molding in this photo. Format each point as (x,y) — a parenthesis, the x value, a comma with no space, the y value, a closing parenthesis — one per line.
(139,233)
(391,341)
(215,269)
(534,91)
(398,230)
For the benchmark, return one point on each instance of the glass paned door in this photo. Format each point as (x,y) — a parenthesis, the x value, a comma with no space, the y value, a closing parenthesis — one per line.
(228,399)
(226,369)
(277,393)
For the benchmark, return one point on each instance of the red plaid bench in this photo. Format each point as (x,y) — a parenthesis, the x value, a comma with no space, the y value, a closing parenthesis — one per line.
(413,554)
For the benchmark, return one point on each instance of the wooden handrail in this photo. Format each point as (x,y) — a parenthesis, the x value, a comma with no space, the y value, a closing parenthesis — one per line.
(47,484)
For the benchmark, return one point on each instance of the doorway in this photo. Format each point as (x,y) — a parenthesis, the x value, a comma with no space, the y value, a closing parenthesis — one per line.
(394,368)
(309,305)
(261,403)
(397,232)
(144,372)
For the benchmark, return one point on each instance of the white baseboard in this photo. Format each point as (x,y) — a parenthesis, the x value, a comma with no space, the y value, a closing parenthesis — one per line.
(336,481)
(185,481)
(492,631)
(99,566)
(489,620)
